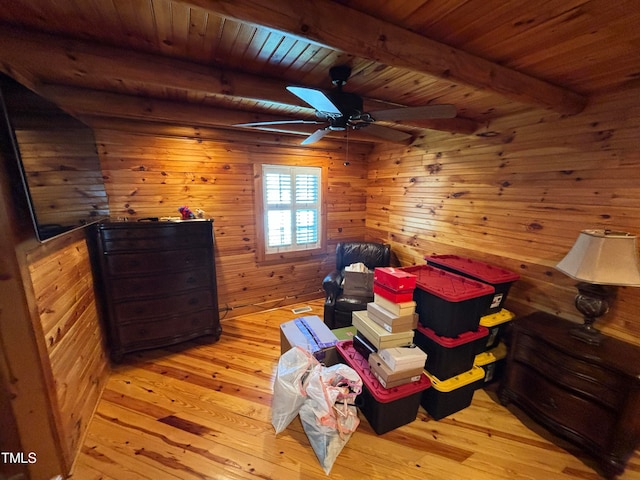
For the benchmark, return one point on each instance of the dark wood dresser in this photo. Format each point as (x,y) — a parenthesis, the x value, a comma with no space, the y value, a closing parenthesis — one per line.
(157,282)
(588,394)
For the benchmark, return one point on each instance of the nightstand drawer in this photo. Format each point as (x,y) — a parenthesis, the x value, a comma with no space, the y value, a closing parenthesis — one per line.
(588,394)
(601,384)
(576,414)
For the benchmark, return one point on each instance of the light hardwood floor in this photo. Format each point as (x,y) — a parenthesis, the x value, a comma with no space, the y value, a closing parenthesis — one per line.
(202,411)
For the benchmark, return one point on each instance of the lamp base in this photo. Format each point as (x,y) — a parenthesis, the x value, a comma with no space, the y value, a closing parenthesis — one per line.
(588,334)
(592,301)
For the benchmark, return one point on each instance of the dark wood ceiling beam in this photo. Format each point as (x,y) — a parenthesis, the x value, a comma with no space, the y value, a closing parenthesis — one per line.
(331,24)
(216,134)
(35,58)
(57,60)
(79,101)
(92,103)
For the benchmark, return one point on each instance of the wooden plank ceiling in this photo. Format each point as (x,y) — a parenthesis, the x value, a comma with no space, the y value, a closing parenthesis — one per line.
(215,63)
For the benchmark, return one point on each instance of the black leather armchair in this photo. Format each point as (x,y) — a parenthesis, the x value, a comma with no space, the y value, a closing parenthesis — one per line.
(338,306)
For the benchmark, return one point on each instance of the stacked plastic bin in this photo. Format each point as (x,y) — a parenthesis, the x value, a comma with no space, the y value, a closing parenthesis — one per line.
(383,353)
(496,318)
(449,307)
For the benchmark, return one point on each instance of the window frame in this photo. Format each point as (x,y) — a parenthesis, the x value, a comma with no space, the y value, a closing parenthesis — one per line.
(260,211)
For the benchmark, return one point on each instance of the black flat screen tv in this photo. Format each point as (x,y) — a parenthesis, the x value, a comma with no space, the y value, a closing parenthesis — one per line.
(57,161)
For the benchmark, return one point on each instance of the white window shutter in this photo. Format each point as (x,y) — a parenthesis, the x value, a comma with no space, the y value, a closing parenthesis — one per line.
(292,203)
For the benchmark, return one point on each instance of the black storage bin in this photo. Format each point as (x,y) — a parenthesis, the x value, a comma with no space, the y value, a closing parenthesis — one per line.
(446,397)
(447,303)
(448,357)
(384,408)
(499,278)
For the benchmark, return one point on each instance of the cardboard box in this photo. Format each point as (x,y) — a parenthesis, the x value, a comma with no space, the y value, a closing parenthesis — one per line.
(390,322)
(358,283)
(392,378)
(313,335)
(397,308)
(395,279)
(402,358)
(378,336)
(380,290)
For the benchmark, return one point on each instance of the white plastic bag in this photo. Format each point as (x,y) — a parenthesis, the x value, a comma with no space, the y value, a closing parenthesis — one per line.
(329,415)
(289,393)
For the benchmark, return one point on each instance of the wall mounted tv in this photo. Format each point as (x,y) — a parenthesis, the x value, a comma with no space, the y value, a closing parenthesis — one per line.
(57,159)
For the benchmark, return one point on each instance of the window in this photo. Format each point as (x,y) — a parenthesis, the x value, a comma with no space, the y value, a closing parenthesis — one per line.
(291,208)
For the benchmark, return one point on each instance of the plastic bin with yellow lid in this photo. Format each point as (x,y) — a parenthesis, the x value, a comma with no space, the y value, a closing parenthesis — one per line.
(496,323)
(451,395)
(491,362)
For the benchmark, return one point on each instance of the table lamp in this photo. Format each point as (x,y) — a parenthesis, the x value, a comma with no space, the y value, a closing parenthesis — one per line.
(599,260)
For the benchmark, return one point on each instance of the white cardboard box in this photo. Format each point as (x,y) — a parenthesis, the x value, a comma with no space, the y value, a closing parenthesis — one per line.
(401,358)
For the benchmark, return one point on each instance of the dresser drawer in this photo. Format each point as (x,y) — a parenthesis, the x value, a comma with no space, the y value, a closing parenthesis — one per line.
(577,415)
(166,330)
(162,232)
(160,284)
(155,262)
(136,310)
(601,384)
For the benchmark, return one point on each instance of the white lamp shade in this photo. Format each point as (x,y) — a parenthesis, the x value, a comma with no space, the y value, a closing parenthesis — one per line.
(603,257)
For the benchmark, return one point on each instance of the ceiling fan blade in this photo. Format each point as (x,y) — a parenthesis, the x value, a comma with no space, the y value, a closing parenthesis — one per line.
(315,136)
(415,113)
(388,133)
(316,98)
(278,122)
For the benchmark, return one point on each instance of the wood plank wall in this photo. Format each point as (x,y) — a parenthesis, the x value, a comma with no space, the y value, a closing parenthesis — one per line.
(62,283)
(53,363)
(152,174)
(517,197)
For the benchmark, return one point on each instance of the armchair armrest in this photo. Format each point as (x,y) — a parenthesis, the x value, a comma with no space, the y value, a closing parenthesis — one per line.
(332,286)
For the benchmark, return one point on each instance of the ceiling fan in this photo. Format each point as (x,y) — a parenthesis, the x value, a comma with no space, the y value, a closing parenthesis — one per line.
(339,110)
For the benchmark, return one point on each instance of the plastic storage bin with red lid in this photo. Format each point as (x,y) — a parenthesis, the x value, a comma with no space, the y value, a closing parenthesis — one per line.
(448,303)
(499,278)
(448,357)
(384,408)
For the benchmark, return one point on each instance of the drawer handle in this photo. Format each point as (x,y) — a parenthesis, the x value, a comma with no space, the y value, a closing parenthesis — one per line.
(550,404)
(194,301)
(191,280)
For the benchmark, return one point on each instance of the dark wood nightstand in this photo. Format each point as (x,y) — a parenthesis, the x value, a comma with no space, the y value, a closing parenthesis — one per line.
(588,394)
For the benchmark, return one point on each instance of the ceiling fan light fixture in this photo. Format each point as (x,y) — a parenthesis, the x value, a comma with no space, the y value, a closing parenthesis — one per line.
(342,111)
